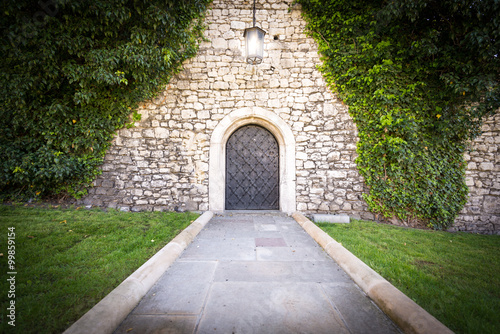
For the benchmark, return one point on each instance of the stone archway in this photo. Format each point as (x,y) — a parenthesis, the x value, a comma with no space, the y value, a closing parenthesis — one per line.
(217,160)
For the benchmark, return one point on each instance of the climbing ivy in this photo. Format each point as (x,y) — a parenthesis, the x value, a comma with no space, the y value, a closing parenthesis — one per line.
(418,76)
(72,73)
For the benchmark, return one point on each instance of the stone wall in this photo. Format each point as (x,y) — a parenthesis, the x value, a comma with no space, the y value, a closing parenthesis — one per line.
(482,212)
(162,163)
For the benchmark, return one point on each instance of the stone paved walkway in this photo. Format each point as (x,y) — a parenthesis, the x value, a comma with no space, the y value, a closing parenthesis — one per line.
(255,273)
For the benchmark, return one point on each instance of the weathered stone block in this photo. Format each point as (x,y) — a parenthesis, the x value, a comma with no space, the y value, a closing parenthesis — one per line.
(161,132)
(107,184)
(486,166)
(492,204)
(238,25)
(337,174)
(329,218)
(309,165)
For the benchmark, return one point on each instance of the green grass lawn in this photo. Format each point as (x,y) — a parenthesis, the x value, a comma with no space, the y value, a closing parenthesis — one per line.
(454,276)
(68,260)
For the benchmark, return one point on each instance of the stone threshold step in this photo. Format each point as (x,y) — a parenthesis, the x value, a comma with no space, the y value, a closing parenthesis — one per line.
(232,213)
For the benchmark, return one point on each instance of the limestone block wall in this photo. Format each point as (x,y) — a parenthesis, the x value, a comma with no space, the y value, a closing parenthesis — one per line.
(482,212)
(162,163)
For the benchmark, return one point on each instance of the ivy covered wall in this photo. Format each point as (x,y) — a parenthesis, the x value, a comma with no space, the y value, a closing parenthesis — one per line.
(72,73)
(419,77)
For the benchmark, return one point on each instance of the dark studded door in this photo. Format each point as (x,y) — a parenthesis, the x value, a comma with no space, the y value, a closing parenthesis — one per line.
(252,170)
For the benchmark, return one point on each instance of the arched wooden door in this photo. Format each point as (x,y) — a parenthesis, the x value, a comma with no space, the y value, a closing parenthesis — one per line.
(252,170)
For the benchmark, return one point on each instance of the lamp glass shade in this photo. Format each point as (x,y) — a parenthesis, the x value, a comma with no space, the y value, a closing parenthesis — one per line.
(254,40)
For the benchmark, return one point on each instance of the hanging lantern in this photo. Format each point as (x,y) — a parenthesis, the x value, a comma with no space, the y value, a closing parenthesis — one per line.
(254,42)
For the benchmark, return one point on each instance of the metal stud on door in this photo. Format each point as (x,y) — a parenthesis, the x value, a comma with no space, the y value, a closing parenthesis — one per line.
(252,170)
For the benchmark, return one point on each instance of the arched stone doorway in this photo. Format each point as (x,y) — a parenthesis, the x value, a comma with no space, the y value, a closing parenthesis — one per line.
(252,169)
(217,159)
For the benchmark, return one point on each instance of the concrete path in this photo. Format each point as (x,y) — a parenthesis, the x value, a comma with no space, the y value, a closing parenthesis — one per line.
(255,273)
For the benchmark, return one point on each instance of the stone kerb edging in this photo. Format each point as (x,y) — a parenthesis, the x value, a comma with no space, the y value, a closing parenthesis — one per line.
(107,315)
(408,315)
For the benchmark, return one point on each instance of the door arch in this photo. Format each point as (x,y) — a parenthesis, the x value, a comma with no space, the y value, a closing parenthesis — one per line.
(252,169)
(217,158)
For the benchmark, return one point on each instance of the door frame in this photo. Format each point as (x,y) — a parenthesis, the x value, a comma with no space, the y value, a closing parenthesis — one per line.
(275,171)
(217,159)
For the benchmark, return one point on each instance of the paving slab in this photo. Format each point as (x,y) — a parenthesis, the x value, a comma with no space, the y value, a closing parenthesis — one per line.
(299,239)
(270,242)
(171,295)
(223,249)
(266,227)
(255,273)
(271,307)
(157,324)
(291,254)
(360,314)
(280,271)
